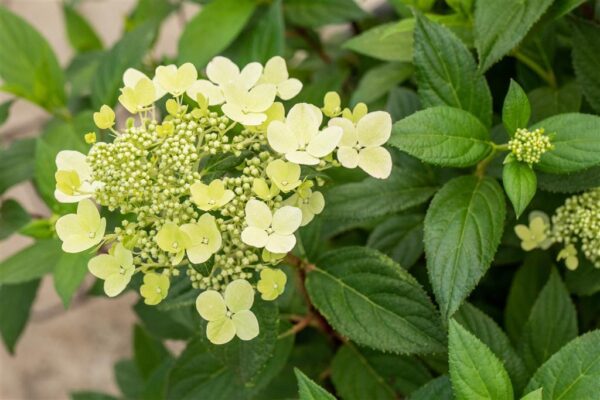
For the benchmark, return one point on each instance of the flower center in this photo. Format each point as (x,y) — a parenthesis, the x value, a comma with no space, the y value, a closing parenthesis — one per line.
(204,240)
(175,245)
(212,202)
(284,183)
(92,235)
(228,314)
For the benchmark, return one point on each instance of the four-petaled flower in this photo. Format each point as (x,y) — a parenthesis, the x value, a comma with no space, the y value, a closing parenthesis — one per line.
(205,239)
(361,143)
(115,268)
(105,118)
(211,196)
(139,97)
(271,283)
(176,80)
(73,177)
(155,288)
(83,230)
(309,202)
(569,254)
(171,238)
(276,73)
(285,175)
(536,234)
(229,315)
(132,76)
(273,231)
(299,137)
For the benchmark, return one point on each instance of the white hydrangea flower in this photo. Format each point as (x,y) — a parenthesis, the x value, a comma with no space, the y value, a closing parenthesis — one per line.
(132,76)
(309,202)
(176,80)
(276,73)
(299,137)
(248,107)
(361,143)
(73,177)
(273,231)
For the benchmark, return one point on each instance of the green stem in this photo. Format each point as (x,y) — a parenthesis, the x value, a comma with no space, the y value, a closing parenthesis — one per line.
(546,75)
(483,164)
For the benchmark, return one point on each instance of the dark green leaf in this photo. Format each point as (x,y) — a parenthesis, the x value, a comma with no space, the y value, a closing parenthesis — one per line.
(586,60)
(68,275)
(463,227)
(439,388)
(129,379)
(29,67)
(378,81)
(14,310)
(402,102)
(388,42)
(213,29)
(87,395)
(149,352)
(400,237)
(370,299)
(30,263)
(516,109)
(547,101)
(443,136)
(309,390)
(570,183)
(16,163)
(585,280)
(520,184)
(316,13)
(446,72)
(12,218)
(80,33)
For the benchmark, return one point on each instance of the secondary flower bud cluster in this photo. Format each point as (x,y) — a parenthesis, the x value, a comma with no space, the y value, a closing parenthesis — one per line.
(529,146)
(218,186)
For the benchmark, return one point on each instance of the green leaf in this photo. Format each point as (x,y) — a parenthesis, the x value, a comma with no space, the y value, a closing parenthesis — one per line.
(29,67)
(551,324)
(446,72)
(5,111)
(585,280)
(500,26)
(149,352)
(389,42)
(520,184)
(535,395)
(378,81)
(547,101)
(80,33)
(402,102)
(475,371)
(87,395)
(155,11)
(376,197)
(463,227)
(576,143)
(439,388)
(129,379)
(316,13)
(486,330)
(14,310)
(586,60)
(443,136)
(359,374)
(12,218)
(213,29)
(370,299)
(16,163)
(516,109)
(573,372)
(126,53)
(30,263)
(524,289)
(309,390)
(68,275)
(570,183)
(165,324)
(400,237)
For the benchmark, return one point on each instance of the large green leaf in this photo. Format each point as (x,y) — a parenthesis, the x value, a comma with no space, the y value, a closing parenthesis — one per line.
(376,197)
(389,42)
(14,310)
(520,184)
(16,163)
(68,275)
(551,324)
(149,352)
(359,374)
(576,143)
(475,371)
(402,102)
(309,390)
(439,388)
(548,101)
(378,81)
(29,67)
(570,183)
(30,263)
(213,29)
(80,33)
(400,237)
(315,13)
(501,25)
(126,53)
(446,72)
(585,280)
(586,60)
(463,227)
(12,218)
(370,299)
(443,136)
(573,372)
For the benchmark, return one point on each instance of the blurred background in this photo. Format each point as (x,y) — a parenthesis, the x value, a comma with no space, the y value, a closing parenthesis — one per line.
(62,351)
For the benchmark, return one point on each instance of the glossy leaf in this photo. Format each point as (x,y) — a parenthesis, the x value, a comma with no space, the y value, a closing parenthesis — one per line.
(309,390)
(520,184)
(516,109)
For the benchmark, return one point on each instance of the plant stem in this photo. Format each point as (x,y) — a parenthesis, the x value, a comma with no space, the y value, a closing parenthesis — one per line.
(483,164)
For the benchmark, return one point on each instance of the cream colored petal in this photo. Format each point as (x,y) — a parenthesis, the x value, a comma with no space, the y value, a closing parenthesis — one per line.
(220,331)
(539,214)
(186,76)
(286,220)
(258,214)
(246,325)
(275,71)
(65,198)
(254,237)
(348,157)
(103,265)
(304,121)
(307,215)
(528,245)
(88,215)
(222,70)
(289,89)
(375,161)
(239,295)
(123,256)
(132,76)
(251,74)
(70,160)
(115,284)
(281,138)
(68,225)
(260,98)
(249,119)
(374,129)
(199,254)
(572,262)
(523,232)
(325,141)
(211,305)
(316,202)
(537,226)
(349,137)
(210,91)
(301,157)
(280,243)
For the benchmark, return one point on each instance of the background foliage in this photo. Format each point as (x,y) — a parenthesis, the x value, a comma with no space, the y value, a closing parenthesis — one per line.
(504,324)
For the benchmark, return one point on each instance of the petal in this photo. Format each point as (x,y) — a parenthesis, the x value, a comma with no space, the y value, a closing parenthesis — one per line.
(199,254)
(115,284)
(65,198)
(210,91)
(280,243)
(68,225)
(123,256)
(350,136)
(261,189)
(537,226)
(374,129)
(286,220)
(255,237)
(348,157)
(220,331)
(375,161)
(289,88)
(88,215)
(522,232)
(186,76)
(261,97)
(281,138)
(103,265)
(539,214)
(275,71)
(258,214)
(222,70)
(304,120)
(528,245)
(325,141)
(251,74)
(316,202)
(132,76)
(246,325)
(235,113)
(239,295)
(71,160)
(211,305)
(301,157)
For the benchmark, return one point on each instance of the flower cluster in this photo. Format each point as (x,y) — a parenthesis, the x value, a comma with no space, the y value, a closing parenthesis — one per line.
(217,187)
(576,223)
(529,146)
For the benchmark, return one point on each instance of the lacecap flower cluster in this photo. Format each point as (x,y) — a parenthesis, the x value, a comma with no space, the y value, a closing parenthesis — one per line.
(217,187)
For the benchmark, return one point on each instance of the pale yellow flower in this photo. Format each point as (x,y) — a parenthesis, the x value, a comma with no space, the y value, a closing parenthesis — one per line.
(176,80)
(139,97)
(132,76)
(105,118)
(211,196)
(83,230)
(569,254)
(536,234)
(205,239)
(285,175)
(73,177)
(115,269)
(309,202)
(155,288)
(273,231)
(276,73)
(271,284)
